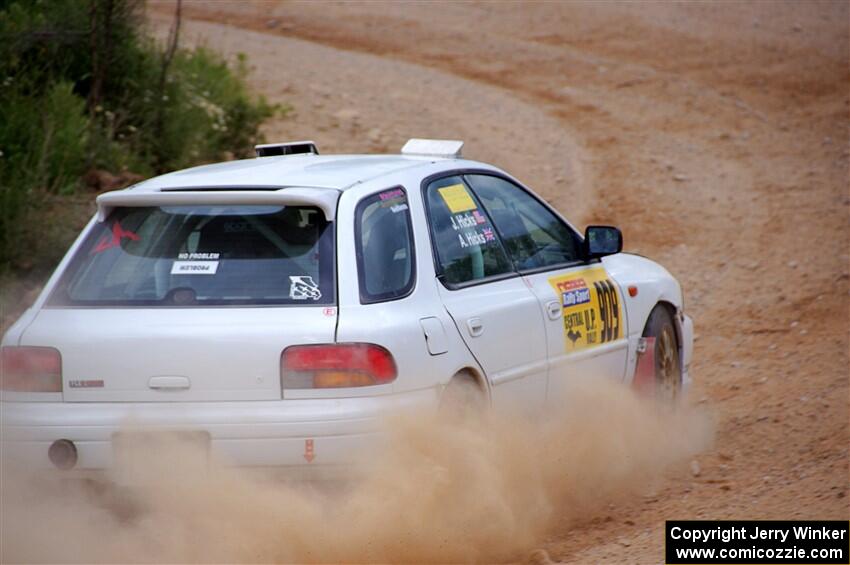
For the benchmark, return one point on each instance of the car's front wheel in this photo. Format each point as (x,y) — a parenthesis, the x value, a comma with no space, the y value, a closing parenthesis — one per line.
(668,370)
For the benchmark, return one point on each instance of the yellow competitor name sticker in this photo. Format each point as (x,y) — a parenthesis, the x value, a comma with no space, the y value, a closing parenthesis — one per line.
(591,306)
(457,198)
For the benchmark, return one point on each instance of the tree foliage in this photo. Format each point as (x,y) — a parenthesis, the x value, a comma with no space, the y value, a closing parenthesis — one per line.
(84,88)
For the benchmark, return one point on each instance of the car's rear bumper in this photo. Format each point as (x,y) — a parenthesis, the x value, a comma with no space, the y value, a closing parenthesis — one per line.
(321,433)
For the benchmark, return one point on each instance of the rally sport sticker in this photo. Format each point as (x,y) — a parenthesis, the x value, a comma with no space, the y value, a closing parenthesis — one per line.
(591,305)
(303,287)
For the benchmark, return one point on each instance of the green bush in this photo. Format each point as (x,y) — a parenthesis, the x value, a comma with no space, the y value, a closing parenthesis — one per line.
(83,89)
(206,112)
(43,141)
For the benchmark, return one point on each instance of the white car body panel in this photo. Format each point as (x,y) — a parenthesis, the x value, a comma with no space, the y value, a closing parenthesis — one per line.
(418,368)
(501,324)
(607,359)
(230,356)
(131,350)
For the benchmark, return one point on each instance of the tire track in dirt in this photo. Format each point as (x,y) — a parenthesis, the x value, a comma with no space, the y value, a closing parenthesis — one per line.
(355,102)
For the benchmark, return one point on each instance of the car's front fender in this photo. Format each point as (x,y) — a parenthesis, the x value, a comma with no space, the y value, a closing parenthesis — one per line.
(653,284)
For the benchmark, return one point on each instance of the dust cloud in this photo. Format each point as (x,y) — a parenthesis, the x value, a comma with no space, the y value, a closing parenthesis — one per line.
(442,488)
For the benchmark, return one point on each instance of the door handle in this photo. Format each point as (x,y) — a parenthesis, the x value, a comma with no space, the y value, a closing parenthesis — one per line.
(553,310)
(475,326)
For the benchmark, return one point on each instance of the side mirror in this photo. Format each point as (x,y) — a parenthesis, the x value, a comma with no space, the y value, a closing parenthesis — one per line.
(600,241)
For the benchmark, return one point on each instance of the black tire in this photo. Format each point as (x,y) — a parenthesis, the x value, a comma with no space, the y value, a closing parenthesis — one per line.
(668,369)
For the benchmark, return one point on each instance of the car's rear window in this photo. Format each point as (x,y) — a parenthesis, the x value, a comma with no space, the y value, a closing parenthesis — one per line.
(203,256)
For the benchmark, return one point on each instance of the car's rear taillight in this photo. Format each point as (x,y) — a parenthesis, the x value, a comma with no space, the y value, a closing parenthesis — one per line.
(30,369)
(336,366)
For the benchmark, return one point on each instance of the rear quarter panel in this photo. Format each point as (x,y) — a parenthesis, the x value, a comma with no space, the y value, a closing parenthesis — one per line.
(396,325)
(15,332)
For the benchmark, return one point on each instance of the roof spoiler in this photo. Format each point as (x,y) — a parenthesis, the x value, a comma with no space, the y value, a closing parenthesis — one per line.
(288,148)
(446,148)
(323,198)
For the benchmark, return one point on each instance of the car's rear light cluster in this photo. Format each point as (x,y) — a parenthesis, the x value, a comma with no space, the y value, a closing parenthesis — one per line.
(30,369)
(336,366)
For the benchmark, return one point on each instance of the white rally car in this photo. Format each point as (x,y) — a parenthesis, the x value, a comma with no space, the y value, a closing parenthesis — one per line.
(279,307)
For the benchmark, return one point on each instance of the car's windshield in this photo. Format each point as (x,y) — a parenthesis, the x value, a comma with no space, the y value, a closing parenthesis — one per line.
(203,255)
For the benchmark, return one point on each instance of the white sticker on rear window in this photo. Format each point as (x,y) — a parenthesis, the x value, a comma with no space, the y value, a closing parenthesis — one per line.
(194,268)
(303,287)
(198,256)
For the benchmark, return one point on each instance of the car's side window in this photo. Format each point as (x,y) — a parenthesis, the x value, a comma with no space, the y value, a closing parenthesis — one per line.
(384,242)
(534,237)
(466,244)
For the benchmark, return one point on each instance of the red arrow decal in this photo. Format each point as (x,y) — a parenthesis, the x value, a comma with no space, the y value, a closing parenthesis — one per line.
(118,233)
(309,452)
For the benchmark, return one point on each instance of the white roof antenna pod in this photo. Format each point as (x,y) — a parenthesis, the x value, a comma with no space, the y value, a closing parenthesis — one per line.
(290,148)
(446,148)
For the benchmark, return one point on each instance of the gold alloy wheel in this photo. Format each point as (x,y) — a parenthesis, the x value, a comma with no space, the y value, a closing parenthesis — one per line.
(667,378)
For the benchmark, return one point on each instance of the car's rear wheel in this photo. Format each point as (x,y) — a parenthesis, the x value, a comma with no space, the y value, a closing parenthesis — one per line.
(668,370)
(462,397)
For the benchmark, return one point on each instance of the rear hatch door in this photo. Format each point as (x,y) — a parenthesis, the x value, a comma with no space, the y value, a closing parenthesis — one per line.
(191,301)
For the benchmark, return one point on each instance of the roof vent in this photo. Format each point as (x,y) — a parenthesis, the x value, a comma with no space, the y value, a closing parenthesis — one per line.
(291,148)
(445,148)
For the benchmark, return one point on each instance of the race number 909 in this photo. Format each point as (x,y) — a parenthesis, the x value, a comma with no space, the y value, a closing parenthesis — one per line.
(609,310)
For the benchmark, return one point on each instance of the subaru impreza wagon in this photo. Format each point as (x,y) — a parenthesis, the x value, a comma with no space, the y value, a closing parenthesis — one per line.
(277,308)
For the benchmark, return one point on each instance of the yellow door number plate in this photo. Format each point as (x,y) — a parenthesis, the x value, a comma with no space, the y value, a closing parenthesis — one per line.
(591,306)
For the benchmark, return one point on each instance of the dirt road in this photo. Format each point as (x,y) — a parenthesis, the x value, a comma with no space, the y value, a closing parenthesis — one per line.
(716,136)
